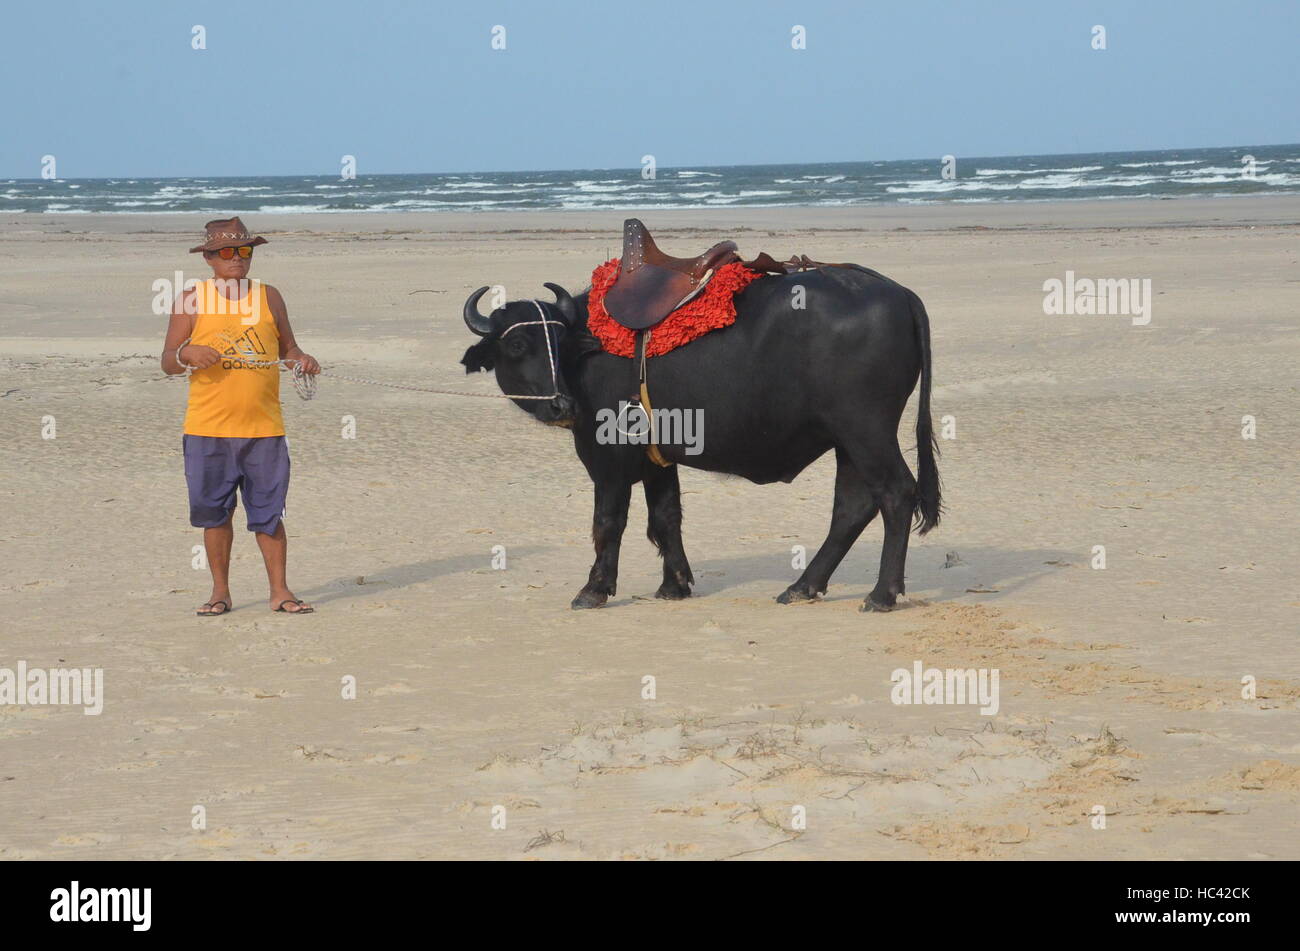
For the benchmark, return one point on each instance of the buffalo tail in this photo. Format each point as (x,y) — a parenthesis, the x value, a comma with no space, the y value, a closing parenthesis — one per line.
(929,497)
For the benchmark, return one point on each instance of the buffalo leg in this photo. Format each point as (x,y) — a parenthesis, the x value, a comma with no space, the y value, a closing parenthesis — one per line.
(853,511)
(897,503)
(663,501)
(607,533)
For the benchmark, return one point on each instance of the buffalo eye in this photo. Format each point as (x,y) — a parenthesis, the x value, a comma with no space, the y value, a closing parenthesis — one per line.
(516,347)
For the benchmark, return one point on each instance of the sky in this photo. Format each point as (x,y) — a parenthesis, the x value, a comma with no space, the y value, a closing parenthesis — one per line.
(288,88)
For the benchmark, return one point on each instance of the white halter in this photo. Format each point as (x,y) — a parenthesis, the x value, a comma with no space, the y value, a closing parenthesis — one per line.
(550,353)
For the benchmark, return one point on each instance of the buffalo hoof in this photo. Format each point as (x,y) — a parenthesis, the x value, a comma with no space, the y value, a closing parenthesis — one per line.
(795,595)
(589,599)
(672,591)
(872,605)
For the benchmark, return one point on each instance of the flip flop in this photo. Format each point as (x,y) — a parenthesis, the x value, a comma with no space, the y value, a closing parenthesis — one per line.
(213,604)
(301,609)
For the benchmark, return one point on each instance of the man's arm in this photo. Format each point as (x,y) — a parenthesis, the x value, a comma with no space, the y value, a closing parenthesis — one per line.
(180,328)
(289,349)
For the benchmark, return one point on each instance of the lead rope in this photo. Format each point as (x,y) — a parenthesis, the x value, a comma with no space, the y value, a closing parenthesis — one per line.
(304,384)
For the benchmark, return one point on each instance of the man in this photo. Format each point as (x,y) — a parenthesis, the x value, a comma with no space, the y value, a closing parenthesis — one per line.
(220,330)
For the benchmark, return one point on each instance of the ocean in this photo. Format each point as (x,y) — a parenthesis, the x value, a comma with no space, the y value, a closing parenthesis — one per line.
(1175,173)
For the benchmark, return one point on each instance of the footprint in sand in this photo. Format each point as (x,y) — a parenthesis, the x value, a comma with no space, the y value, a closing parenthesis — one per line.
(226,795)
(218,839)
(573,675)
(318,754)
(393,728)
(164,725)
(852,700)
(89,838)
(510,802)
(20,855)
(134,767)
(392,759)
(253,693)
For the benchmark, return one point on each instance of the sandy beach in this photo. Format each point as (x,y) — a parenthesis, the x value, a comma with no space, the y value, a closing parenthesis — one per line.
(481,695)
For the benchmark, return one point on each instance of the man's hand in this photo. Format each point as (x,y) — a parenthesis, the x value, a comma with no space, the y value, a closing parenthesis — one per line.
(198,357)
(307,362)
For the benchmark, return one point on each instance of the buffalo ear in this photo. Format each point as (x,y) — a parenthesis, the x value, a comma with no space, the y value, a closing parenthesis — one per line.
(478,357)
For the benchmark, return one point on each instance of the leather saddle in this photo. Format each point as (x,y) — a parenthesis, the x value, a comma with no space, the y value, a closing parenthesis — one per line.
(651,285)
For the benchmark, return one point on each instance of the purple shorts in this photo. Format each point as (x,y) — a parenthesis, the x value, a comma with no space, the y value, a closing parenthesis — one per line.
(215,466)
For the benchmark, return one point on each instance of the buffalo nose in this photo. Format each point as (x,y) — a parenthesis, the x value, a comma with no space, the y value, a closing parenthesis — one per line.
(562,404)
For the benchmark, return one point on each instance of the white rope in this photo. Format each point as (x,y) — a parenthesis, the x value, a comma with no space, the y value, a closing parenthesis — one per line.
(304,383)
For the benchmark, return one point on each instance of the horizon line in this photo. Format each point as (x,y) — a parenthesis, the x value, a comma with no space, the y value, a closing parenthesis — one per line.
(688,167)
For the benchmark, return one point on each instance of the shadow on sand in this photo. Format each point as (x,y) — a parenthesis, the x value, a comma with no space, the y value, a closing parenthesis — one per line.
(995,573)
(1000,571)
(388,577)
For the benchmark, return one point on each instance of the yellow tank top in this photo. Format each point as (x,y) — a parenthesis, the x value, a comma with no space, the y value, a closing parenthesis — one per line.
(231,398)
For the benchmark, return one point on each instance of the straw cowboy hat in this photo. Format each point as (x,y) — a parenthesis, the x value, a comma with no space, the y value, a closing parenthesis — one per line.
(227,233)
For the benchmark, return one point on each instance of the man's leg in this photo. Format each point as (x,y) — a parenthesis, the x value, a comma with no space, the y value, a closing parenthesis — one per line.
(217,541)
(264,465)
(211,478)
(275,552)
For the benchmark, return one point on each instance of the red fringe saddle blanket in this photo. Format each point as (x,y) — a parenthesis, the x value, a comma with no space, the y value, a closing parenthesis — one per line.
(712,309)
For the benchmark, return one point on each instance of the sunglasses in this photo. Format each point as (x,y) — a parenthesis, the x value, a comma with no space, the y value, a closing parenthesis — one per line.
(245,251)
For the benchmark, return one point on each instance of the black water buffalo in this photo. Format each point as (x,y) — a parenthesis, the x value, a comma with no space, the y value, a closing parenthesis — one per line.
(777,389)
